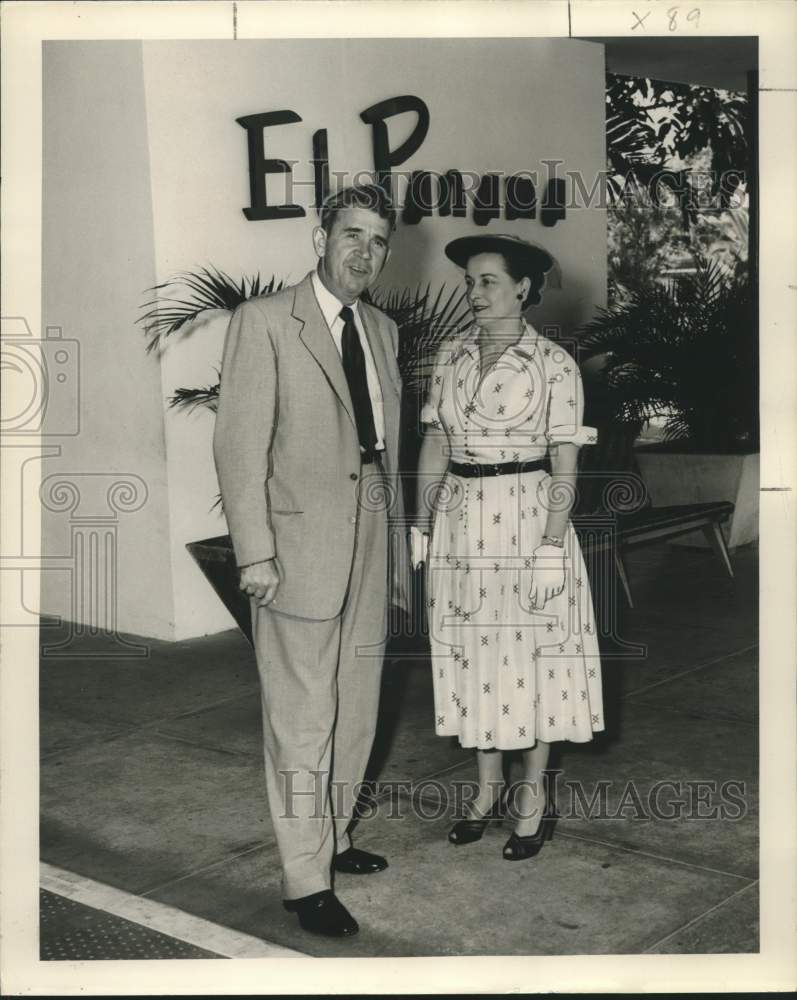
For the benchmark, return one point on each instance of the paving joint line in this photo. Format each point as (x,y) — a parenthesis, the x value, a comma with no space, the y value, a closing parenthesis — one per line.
(88,741)
(263,846)
(217,748)
(659,857)
(700,917)
(208,707)
(690,670)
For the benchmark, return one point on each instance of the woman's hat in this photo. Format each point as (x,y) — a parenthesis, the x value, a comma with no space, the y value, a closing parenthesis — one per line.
(533,258)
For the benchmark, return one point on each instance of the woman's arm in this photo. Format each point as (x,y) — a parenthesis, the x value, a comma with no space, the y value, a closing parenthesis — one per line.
(562,488)
(550,557)
(432,464)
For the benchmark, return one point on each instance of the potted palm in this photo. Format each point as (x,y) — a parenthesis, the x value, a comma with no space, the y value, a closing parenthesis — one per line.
(422,318)
(684,355)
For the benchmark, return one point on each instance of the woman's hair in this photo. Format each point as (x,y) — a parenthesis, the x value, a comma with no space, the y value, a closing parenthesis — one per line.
(518,270)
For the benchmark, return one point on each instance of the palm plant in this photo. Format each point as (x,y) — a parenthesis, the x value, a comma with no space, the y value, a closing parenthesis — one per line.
(687,352)
(422,320)
(208,290)
(422,323)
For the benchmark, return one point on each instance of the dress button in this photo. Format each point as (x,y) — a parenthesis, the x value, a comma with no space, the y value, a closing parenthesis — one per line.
(353,476)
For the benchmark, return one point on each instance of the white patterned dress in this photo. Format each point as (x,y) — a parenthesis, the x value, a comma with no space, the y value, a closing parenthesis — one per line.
(505,674)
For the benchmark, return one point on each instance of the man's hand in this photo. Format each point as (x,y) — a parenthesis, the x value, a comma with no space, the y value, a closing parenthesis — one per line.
(261,581)
(419,546)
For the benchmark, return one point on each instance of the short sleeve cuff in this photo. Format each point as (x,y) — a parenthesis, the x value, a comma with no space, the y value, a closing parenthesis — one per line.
(429,415)
(567,434)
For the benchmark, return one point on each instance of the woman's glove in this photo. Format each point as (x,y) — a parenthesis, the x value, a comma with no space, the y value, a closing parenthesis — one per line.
(419,546)
(548,574)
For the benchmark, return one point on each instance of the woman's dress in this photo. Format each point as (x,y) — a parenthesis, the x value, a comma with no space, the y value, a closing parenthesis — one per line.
(504,674)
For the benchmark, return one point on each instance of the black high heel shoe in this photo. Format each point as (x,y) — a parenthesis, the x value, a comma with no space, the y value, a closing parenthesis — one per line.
(468,831)
(520,848)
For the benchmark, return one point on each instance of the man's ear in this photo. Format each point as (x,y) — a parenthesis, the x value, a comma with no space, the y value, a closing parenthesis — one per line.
(320,241)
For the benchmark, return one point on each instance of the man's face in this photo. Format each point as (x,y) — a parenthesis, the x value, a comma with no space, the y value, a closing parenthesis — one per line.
(354,253)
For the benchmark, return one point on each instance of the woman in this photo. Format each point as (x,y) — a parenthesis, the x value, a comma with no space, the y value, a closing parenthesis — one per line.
(514,647)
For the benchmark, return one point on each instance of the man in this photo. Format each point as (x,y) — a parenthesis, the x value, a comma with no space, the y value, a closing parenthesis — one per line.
(307,425)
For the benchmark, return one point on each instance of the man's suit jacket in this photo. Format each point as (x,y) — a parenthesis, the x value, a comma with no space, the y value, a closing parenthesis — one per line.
(286,447)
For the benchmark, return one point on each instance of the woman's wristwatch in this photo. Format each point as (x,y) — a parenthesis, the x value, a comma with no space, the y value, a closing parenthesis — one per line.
(553,540)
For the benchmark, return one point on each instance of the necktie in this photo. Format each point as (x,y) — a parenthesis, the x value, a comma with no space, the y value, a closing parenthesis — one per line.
(354,367)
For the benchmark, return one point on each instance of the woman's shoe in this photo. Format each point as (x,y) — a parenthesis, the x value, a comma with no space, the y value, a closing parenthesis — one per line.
(468,831)
(519,848)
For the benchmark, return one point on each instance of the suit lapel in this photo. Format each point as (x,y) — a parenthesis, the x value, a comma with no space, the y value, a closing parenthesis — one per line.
(314,334)
(388,381)
(379,352)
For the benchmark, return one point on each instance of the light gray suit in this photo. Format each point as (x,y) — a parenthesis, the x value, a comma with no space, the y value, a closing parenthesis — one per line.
(288,461)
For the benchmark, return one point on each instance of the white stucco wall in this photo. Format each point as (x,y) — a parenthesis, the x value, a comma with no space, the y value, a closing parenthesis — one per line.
(97,257)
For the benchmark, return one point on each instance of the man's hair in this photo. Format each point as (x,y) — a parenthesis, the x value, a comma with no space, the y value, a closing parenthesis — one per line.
(370,196)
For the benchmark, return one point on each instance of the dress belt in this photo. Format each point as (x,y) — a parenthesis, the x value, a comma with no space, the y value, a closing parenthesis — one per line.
(472,469)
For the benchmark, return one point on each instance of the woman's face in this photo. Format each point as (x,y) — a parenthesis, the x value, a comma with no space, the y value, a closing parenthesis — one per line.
(492,291)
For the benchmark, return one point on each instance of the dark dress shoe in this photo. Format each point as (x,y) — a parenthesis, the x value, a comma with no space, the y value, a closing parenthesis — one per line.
(323,913)
(356,862)
(468,831)
(520,848)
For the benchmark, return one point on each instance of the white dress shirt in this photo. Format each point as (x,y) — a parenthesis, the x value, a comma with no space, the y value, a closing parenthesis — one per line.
(330,307)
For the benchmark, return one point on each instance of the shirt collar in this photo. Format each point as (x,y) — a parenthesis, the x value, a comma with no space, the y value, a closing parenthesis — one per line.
(329,304)
(470,338)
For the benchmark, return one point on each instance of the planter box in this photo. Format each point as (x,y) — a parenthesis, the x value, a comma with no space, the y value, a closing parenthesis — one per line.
(683,477)
(216,558)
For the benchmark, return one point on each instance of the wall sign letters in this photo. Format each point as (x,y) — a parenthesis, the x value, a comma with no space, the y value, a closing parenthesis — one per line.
(492,195)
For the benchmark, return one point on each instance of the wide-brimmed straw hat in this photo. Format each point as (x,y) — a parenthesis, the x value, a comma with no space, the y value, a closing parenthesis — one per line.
(533,258)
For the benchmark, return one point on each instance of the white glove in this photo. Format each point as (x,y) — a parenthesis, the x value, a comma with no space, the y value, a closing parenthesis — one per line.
(419,546)
(548,574)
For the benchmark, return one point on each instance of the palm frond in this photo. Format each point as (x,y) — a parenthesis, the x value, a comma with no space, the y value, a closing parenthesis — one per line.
(686,351)
(189,399)
(209,289)
(422,323)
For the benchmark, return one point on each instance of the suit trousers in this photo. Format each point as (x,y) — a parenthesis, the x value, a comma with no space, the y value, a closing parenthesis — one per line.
(320,683)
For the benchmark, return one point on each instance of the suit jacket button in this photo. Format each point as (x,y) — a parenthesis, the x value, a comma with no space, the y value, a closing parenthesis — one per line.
(352,520)
(353,476)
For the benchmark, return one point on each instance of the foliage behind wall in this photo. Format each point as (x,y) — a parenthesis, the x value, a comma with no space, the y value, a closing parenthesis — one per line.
(677,158)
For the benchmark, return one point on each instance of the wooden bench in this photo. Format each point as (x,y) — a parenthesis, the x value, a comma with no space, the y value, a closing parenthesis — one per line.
(613,512)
